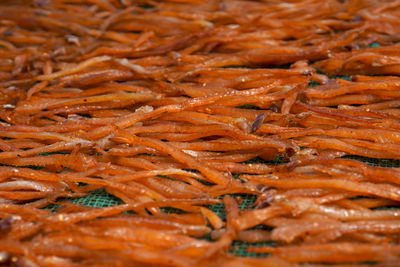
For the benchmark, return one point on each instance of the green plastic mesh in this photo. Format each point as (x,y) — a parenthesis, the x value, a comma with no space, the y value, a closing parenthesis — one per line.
(388,163)
(97,198)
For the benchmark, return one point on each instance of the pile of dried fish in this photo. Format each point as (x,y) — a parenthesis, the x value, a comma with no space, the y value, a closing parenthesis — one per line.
(182,104)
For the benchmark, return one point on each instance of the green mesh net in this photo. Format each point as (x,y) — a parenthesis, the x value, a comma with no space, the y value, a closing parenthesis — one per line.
(97,198)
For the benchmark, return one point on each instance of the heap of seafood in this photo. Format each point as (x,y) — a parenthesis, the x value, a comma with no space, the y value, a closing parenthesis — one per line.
(175,107)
